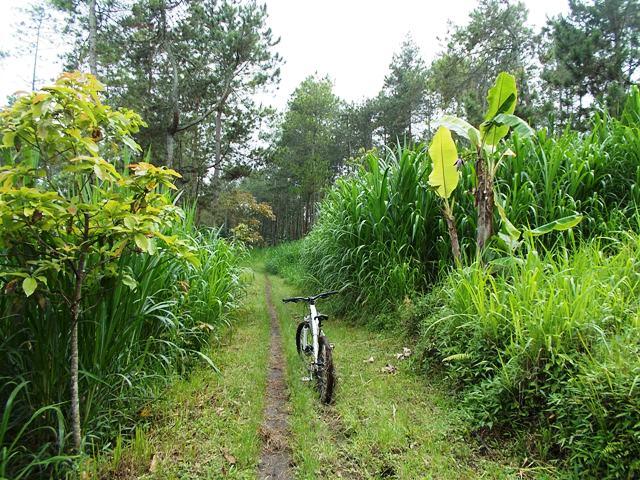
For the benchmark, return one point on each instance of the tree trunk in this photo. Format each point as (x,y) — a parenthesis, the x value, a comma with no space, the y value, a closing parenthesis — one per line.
(75,315)
(453,235)
(93,31)
(171,147)
(175,90)
(216,172)
(35,56)
(75,396)
(484,203)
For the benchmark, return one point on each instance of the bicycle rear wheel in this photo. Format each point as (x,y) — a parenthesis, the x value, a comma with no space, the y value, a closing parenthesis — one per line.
(325,375)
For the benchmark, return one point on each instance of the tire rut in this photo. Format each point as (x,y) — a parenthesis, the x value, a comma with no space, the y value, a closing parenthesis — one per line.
(275,459)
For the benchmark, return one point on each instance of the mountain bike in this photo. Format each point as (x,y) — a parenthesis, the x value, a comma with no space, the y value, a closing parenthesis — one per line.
(313,346)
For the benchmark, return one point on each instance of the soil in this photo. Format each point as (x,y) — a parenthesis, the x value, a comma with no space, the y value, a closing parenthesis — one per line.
(275,459)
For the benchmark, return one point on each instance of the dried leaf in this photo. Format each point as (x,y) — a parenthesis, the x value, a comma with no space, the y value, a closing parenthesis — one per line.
(228,457)
(154,463)
(390,369)
(406,353)
(368,360)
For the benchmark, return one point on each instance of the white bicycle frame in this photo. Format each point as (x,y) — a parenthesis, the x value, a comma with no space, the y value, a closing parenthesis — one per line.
(312,319)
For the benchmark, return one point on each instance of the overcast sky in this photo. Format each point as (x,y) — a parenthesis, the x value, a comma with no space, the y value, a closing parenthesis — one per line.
(352,41)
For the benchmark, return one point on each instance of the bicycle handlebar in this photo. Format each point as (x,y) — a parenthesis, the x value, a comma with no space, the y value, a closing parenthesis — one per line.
(311,299)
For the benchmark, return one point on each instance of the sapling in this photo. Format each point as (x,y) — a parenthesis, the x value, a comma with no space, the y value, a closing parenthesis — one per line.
(70,204)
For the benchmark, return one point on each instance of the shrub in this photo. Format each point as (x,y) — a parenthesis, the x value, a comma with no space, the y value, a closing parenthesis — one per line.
(548,342)
(93,245)
(285,260)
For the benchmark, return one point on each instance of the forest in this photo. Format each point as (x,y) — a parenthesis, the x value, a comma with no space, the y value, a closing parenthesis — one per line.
(478,218)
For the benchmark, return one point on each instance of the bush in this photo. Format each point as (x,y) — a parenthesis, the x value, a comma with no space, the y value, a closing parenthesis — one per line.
(92,243)
(550,342)
(285,260)
(379,233)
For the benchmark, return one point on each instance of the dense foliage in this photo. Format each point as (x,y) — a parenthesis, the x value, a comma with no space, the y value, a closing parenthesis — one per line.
(540,333)
(549,341)
(379,231)
(104,294)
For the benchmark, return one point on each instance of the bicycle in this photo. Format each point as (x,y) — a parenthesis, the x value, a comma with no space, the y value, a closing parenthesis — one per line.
(318,350)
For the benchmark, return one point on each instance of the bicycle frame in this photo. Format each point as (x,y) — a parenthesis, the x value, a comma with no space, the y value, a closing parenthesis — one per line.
(313,319)
(315,330)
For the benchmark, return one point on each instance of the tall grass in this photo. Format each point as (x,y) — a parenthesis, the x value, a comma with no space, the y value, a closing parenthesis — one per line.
(379,233)
(131,342)
(284,260)
(551,342)
(544,343)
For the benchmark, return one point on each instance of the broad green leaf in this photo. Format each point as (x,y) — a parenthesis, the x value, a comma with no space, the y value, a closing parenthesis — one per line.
(130,142)
(511,230)
(461,127)
(130,222)
(501,98)
(564,223)
(519,126)
(29,286)
(8,139)
(444,177)
(152,246)
(130,282)
(142,242)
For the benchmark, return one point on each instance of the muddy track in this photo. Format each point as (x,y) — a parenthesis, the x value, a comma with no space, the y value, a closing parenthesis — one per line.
(275,459)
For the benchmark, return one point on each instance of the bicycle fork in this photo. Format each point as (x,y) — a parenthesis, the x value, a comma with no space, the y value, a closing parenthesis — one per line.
(315,332)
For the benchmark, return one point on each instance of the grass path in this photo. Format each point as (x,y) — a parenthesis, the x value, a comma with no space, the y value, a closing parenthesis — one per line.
(209,425)
(382,425)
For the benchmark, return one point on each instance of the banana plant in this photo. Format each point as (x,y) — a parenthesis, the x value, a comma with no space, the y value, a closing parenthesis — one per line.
(444,179)
(513,237)
(486,140)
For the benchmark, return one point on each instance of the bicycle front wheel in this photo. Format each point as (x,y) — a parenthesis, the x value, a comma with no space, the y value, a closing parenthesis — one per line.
(303,339)
(325,375)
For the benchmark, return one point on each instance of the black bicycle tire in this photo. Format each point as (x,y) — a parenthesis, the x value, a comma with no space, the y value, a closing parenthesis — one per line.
(301,325)
(325,379)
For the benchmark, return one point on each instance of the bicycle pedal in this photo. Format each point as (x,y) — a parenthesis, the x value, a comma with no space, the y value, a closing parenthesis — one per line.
(306,379)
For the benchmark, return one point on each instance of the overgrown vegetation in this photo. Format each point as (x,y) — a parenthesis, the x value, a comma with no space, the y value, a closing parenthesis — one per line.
(508,250)
(104,294)
(539,333)
(549,341)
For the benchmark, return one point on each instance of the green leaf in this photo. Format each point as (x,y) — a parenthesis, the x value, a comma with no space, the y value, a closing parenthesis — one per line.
(519,126)
(130,222)
(8,139)
(29,286)
(130,142)
(564,223)
(142,242)
(511,230)
(444,176)
(130,282)
(501,98)
(461,127)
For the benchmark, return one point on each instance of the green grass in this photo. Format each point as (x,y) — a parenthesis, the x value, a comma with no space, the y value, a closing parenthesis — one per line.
(381,424)
(131,342)
(548,344)
(207,426)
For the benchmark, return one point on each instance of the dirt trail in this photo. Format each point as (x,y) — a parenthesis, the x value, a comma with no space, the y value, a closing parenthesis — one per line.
(275,459)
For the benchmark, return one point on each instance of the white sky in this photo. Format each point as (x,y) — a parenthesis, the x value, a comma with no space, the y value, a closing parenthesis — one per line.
(350,40)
